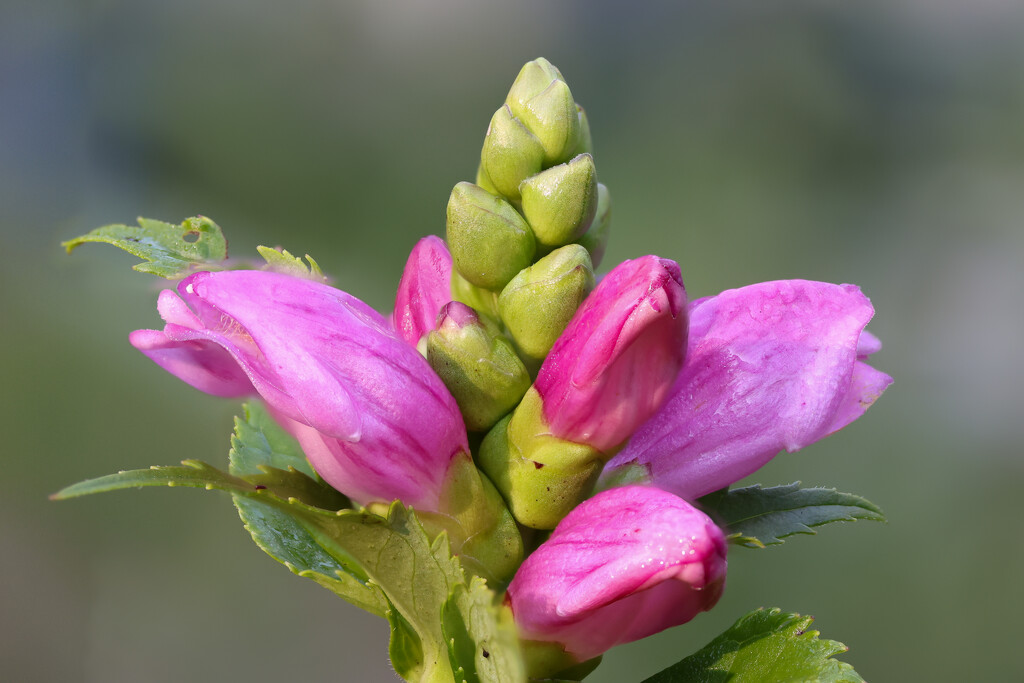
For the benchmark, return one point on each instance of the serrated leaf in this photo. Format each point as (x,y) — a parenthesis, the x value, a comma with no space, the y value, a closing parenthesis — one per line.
(281,537)
(168,250)
(259,444)
(281,261)
(392,554)
(765,645)
(757,517)
(483,643)
(259,441)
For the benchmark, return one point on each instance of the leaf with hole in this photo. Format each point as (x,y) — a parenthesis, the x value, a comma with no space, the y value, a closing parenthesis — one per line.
(168,250)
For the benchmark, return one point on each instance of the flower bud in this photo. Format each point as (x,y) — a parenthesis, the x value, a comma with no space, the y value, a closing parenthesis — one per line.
(484,181)
(490,241)
(541,99)
(483,301)
(596,238)
(425,287)
(477,365)
(586,143)
(510,154)
(608,372)
(541,300)
(625,564)
(560,203)
(533,79)
(613,366)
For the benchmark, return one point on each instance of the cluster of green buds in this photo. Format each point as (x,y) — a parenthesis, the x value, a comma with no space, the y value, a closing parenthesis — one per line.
(525,239)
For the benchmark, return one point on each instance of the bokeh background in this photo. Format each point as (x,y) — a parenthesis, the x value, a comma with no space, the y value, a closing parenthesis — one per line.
(879,142)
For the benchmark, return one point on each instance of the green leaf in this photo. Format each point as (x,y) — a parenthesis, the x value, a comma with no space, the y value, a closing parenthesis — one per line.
(281,261)
(757,517)
(287,541)
(765,645)
(267,455)
(259,441)
(391,554)
(167,250)
(483,643)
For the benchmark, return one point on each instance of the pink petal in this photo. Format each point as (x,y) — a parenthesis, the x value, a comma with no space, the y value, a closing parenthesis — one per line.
(623,565)
(769,367)
(613,365)
(425,287)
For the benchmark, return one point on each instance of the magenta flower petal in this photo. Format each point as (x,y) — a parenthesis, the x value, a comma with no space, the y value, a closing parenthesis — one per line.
(425,287)
(613,365)
(769,367)
(623,565)
(368,408)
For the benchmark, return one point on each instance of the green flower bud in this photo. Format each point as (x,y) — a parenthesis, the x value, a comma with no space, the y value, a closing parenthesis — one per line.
(560,203)
(586,144)
(480,528)
(481,300)
(477,365)
(596,238)
(511,153)
(484,181)
(541,99)
(490,242)
(541,300)
(541,477)
(533,78)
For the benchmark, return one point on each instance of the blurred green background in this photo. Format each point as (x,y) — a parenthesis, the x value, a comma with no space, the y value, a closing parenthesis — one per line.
(878,142)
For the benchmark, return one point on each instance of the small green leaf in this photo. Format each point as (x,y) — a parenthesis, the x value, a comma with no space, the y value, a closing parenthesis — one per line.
(757,517)
(259,441)
(483,644)
(167,250)
(281,261)
(765,645)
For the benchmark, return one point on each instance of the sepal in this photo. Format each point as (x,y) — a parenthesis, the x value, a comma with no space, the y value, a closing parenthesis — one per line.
(541,300)
(489,241)
(561,202)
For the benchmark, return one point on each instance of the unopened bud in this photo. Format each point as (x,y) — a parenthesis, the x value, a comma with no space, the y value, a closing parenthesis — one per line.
(511,153)
(586,144)
(479,299)
(478,366)
(560,203)
(550,114)
(541,300)
(596,238)
(490,242)
(484,180)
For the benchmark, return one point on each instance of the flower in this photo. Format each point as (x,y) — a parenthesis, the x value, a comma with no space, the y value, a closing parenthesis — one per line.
(372,417)
(612,367)
(769,367)
(625,564)
(608,372)
(424,288)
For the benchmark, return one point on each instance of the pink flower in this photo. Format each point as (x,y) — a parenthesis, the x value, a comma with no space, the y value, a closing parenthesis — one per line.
(623,565)
(425,287)
(612,367)
(769,367)
(372,417)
